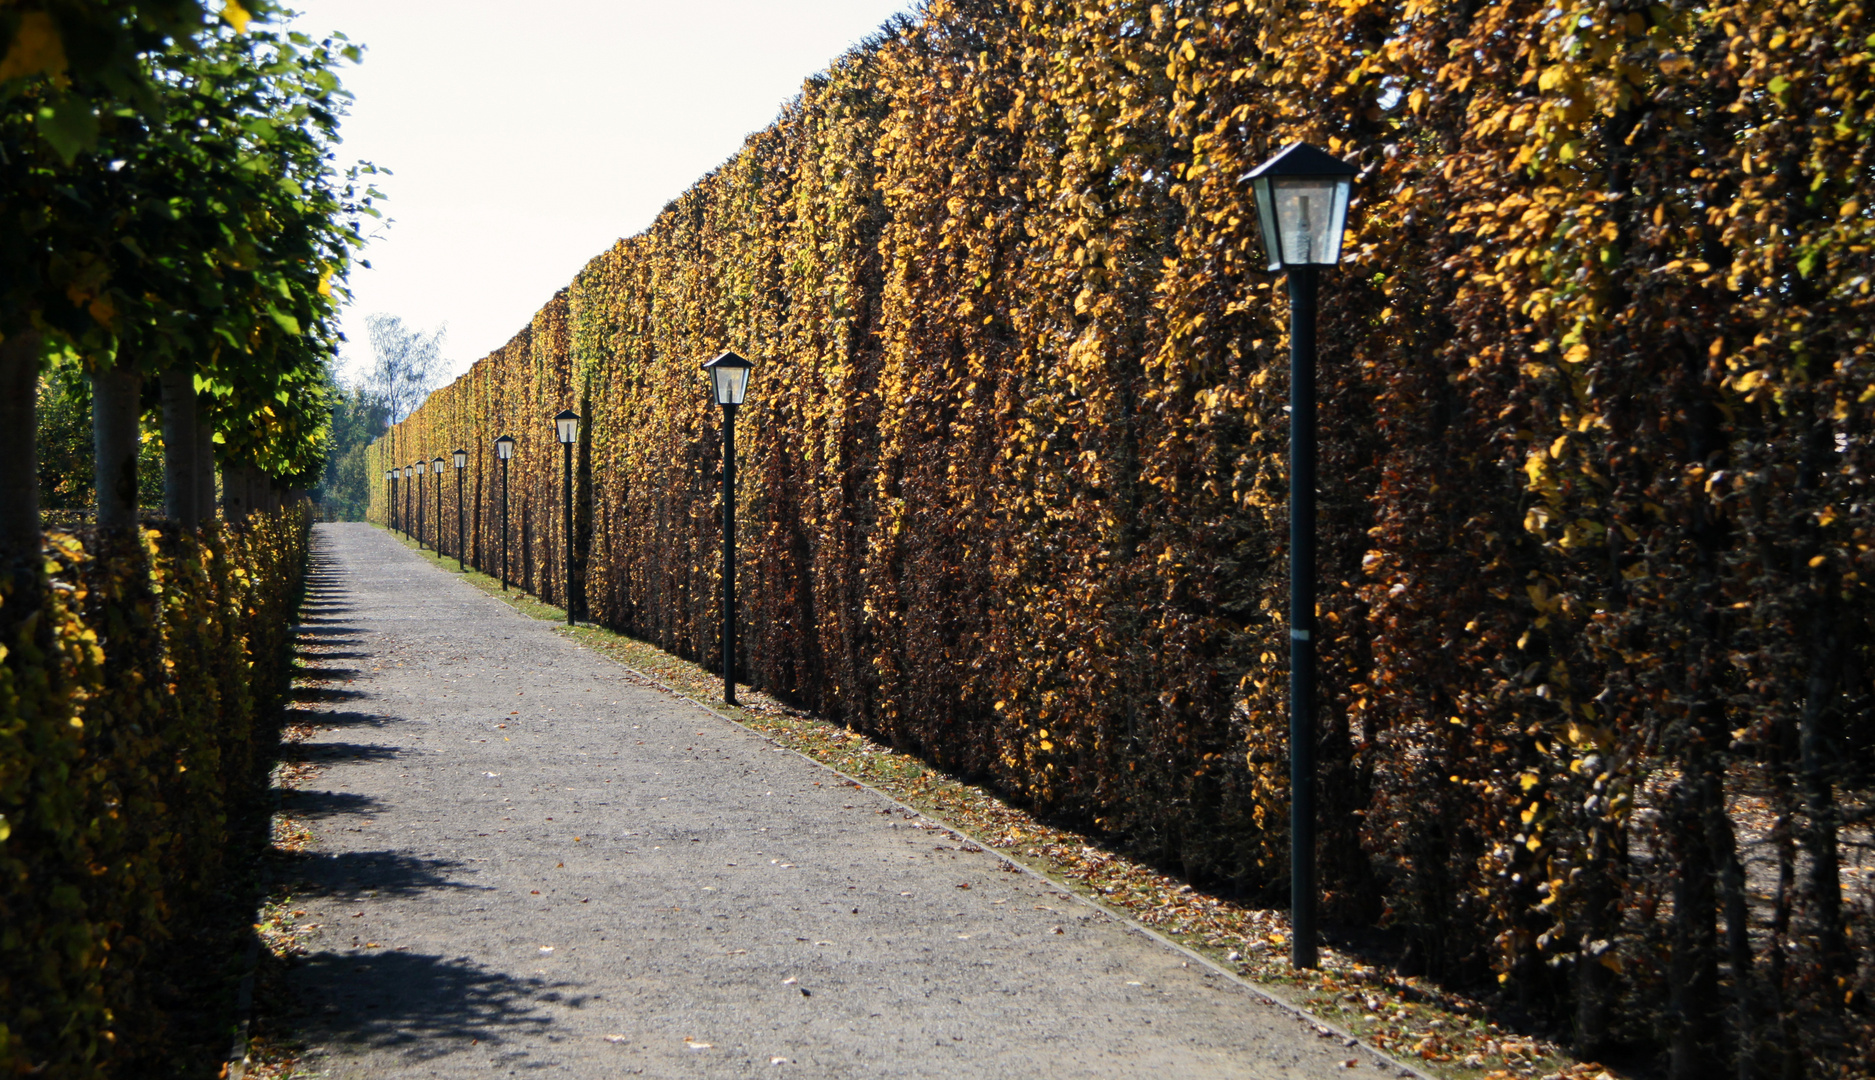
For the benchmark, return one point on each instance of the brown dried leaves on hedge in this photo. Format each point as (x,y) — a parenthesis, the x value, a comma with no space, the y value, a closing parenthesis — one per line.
(1595,519)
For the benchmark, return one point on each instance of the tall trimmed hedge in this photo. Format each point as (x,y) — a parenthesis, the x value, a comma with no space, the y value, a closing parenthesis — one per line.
(139,680)
(1596,393)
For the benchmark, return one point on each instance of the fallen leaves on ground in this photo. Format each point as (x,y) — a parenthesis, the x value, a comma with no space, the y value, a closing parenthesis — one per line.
(1412,1019)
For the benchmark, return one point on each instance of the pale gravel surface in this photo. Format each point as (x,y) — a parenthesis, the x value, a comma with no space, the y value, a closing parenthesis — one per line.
(694,883)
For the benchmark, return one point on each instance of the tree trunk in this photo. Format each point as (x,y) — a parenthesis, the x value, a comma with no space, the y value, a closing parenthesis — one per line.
(19,470)
(1693,977)
(180,445)
(204,469)
(1787,1063)
(116,406)
(1601,925)
(237,493)
(1816,761)
(1723,840)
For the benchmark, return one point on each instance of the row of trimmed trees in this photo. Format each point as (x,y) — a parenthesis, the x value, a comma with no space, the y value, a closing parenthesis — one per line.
(177,228)
(174,238)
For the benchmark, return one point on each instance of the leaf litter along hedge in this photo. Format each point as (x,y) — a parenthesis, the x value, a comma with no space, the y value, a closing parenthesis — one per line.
(1596,393)
(135,706)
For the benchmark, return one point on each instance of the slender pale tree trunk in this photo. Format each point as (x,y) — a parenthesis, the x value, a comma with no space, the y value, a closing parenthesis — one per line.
(19,469)
(116,400)
(180,445)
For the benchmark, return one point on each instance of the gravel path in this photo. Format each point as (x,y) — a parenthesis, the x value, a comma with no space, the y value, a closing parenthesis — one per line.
(528,862)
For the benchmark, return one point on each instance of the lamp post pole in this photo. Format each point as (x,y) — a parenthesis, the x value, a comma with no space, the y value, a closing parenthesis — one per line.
(729,381)
(1302,207)
(504,524)
(566,427)
(504,449)
(1302,280)
(390,511)
(436,466)
(461,458)
(566,531)
(423,519)
(729,554)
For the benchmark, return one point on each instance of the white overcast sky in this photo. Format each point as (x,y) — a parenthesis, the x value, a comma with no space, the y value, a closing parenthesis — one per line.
(525,139)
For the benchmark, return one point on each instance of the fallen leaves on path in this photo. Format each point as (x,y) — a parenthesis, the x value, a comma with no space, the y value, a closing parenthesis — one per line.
(1412,1019)
(1445,1033)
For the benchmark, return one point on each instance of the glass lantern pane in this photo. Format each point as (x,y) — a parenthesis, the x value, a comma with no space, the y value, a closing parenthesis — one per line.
(1305,217)
(731,384)
(1266,220)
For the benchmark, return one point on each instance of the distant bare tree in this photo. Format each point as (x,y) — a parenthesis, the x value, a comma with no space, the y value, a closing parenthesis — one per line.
(406,363)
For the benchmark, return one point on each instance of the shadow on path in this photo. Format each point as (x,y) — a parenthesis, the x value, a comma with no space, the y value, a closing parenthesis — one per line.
(326,693)
(301,802)
(349,718)
(387,873)
(325,753)
(424,1007)
(329,635)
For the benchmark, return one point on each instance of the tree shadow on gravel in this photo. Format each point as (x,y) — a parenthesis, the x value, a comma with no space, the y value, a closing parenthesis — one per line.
(423,1008)
(326,693)
(300,802)
(331,753)
(347,718)
(331,635)
(387,873)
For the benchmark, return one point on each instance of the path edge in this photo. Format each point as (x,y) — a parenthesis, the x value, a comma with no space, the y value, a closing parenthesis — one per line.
(1321,1025)
(1124,918)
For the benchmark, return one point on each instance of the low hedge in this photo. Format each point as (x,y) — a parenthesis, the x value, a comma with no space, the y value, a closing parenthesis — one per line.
(139,678)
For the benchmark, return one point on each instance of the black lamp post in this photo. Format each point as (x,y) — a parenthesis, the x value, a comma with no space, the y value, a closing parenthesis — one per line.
(461,458)
(436,538)
(566,428)
(504,449)
(390,487)
(1302,205)
(414,491)
(729,381)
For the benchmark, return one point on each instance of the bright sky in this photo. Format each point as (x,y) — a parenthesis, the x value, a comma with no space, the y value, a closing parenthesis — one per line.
(525,139)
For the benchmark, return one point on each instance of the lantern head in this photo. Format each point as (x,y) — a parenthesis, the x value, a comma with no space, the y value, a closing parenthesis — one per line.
(1302,205)
(729,378)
